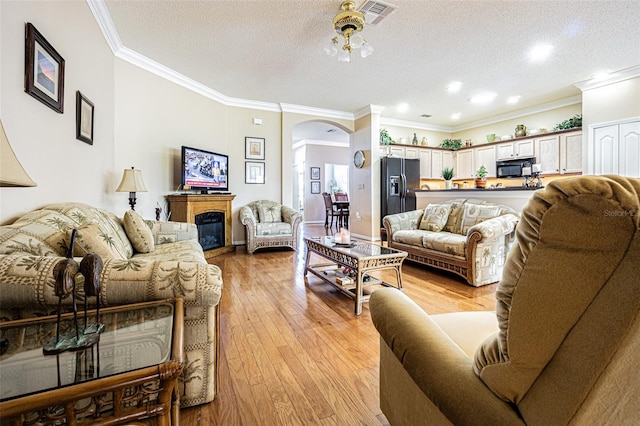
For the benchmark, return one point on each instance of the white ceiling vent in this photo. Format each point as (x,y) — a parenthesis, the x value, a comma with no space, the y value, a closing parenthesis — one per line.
(375,11)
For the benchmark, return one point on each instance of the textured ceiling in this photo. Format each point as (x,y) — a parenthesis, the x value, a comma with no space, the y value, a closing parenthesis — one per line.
(271,51)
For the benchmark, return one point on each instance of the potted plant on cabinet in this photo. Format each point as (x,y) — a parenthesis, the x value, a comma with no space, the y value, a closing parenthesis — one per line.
(447,174)
(481,177)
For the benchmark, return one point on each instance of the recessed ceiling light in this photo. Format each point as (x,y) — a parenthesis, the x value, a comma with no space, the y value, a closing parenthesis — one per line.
(403,107)
(513,99)
(483,98)
(454,87)
(540,52)
(456,116)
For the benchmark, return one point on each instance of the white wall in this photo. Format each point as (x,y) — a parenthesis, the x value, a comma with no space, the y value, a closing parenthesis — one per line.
(44,141)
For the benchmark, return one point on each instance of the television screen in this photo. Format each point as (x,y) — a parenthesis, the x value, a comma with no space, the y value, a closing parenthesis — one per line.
(204,170)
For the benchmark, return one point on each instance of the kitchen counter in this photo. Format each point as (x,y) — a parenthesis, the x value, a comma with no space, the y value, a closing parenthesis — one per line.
(505,189)
(515,197)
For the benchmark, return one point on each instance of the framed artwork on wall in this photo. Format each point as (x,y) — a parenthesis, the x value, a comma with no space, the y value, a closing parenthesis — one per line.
(315,173)
(44,70)
(84,118)
(315,187)
(253,172)
(254,148)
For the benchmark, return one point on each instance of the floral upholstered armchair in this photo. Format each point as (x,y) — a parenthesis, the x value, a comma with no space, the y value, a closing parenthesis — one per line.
(270,224)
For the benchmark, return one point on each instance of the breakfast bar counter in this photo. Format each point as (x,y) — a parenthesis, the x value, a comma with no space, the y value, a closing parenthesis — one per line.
(514,197)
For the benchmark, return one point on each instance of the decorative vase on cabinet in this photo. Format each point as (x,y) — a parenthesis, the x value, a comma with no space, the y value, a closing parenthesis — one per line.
(521,130)
(414,141)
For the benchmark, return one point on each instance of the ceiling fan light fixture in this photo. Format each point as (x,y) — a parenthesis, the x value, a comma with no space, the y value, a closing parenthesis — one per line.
(348,23)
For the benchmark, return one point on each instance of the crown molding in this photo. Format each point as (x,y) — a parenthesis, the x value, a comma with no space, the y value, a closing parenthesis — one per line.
(572,100)
(413,125)
(612,78)
(321,112)
(368,110)
(305,142)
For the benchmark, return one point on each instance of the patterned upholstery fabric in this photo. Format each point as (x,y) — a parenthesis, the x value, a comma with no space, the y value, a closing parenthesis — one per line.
(269,212)
(139,232)
(280,229)
(478,254)
(32,246)
(435,217)
(476,213)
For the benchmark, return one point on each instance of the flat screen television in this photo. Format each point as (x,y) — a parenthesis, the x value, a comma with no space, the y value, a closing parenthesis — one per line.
(204,170)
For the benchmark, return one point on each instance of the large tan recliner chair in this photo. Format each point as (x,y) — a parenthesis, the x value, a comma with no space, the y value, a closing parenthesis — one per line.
(564,343)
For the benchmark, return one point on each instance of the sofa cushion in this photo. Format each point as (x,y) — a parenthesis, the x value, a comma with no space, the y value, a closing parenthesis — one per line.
(477,213)
(92,239)
(446,242)
(184,251)
(274,228)
(269,212)
(412,237)
(455,217)
(138,232)
(435,217)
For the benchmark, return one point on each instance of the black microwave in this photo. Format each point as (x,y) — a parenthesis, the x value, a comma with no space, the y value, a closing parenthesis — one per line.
(513,168)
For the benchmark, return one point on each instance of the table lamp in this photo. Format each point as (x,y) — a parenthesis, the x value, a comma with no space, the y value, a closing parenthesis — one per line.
(132,182)
(11,171)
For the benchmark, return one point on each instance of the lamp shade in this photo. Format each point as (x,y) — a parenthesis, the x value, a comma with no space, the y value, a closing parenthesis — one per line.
(132,181)
(11,171)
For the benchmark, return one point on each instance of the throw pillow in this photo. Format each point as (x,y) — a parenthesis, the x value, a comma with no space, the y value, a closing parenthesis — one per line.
(138,232)
(435,217)
(91,239)
(269,212)
(477,213)
(455,216)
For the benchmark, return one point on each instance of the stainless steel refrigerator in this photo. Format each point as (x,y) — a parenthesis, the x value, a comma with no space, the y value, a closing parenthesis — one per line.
(400,177)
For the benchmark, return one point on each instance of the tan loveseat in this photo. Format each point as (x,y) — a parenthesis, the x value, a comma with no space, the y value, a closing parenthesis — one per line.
(468,237)
(270,224)
(561,348)
(164,261)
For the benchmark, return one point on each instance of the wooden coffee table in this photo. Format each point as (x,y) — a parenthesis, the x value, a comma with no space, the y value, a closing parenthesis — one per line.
(361,257)
(130,374)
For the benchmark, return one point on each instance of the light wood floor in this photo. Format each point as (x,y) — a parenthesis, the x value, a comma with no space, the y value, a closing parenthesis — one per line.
(296,354)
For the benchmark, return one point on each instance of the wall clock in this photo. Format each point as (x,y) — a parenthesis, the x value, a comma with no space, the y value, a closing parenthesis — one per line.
(358,159)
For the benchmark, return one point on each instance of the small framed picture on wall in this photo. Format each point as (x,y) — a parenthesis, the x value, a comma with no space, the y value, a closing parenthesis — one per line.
(315,173)
(254,148)
(253,172)
(315,187)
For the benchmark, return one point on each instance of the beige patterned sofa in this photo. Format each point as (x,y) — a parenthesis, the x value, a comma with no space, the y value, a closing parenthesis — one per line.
(143,260)
(470,238)
(270,224)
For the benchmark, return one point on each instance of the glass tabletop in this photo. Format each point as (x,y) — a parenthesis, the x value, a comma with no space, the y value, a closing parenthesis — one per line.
(356,247)
(135,336)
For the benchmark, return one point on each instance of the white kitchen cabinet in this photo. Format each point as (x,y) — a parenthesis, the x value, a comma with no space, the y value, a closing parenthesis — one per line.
(411,152)
(571,153)
(396,151)
(616,149)
(439,160)
(559,154)
(425,164)
(464,164)
(515,149)
(486,156)
(403,152)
